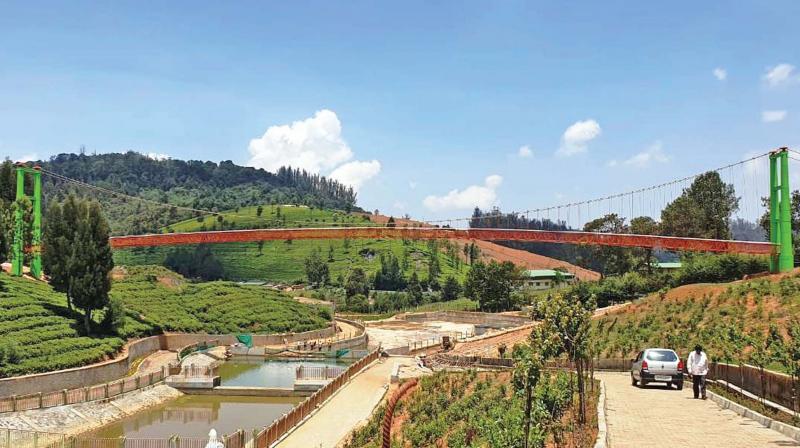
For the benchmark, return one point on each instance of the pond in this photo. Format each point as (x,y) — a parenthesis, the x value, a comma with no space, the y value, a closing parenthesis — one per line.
(195,415)
(248,372)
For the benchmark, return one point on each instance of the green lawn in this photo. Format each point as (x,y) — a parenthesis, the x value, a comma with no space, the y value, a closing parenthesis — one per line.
(38,333)
(283,261)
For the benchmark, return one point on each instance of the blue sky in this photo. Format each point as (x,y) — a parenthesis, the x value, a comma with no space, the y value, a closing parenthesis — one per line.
(411,100)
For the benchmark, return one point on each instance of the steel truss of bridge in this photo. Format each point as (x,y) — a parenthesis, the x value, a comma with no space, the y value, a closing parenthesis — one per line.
(539,236)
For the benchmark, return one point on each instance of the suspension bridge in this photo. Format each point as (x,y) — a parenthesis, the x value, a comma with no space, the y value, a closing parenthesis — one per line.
(649,201)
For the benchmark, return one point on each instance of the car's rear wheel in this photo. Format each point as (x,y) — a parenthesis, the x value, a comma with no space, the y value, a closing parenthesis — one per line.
(669,384)
(680,385)
(633,380)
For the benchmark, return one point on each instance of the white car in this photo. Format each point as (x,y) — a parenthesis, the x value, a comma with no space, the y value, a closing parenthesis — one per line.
(657,365)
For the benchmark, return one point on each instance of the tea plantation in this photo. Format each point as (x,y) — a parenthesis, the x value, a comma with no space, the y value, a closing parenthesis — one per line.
(38,333)
(283,261)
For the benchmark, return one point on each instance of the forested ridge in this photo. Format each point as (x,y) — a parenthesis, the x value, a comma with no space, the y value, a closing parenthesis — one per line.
(194,184)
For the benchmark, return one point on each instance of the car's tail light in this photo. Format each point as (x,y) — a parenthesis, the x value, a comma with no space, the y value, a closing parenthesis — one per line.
(644,365)
(680,366)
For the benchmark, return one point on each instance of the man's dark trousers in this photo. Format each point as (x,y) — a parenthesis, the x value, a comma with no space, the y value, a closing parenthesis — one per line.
(699,386)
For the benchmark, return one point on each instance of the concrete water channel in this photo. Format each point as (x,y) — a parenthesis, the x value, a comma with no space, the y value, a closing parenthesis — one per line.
(247,399)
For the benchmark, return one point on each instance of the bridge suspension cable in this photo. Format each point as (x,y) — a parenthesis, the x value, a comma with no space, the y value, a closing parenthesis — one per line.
(607,203)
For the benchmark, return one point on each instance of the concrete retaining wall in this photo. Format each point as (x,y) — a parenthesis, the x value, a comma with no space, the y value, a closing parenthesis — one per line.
(113,369)
(467,317)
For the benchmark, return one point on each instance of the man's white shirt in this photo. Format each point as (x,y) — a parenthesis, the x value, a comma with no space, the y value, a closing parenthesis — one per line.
(697,364)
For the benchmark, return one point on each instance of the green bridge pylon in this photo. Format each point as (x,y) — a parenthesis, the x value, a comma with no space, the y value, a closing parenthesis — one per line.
(18,248)
(780,212)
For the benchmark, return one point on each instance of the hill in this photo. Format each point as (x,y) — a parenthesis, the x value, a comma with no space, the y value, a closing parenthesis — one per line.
(284,261)
(193,184)
(702,313)
(38,333)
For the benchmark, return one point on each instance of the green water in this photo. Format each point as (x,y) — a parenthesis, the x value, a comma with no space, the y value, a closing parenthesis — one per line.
(195,415)
(248,372)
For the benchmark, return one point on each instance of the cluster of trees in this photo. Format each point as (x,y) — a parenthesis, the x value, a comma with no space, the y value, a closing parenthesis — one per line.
(565,332)
(77,257)
(703,210)
(195,184)
(197,262)
(389,277)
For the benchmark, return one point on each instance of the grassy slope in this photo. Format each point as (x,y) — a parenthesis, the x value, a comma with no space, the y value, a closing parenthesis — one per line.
(282,262)
(36,322)
(694,314)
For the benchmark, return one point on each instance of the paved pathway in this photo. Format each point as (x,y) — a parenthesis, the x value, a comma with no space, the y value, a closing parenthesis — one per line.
(656,417)
(349,407)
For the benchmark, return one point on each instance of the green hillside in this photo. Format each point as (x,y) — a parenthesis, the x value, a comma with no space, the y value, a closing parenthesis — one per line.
(38,333)
(283,261)
(716,315)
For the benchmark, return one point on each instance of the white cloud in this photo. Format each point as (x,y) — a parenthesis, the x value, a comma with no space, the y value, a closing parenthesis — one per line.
(412,184)
(653,154)
(355,173)
(482,196)
(720,73)
(780,74)
(313,144)
(157,156)
(577,137)
(771,116)
(28,157)
(612,163)
(525,152)
(399,205)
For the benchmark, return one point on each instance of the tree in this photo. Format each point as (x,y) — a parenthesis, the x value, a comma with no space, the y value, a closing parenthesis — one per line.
(91,263)
(703,210)
(260,247)
(356,283)
(491,285)
(566,329)
(434,269)
(607,260)
(259,211)
(59,239)
(644,225)
(414,289)
(317,271)
(390,222)
(330,253)
(451,289)
(198,262)
(389,277)
(528,363)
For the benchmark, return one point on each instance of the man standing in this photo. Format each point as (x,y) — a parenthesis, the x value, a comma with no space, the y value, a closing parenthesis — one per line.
(697,365)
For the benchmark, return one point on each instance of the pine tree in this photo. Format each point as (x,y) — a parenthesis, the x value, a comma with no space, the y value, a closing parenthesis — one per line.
(91,264)
(77,255)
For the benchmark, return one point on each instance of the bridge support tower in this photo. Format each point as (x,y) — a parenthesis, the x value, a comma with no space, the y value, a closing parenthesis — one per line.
(780,211)
(18,248)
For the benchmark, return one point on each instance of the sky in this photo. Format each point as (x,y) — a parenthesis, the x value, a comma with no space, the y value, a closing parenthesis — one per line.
(426,108)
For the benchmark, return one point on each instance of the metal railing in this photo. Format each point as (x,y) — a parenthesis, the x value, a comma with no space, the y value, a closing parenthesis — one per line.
(81,395)
(317,372)
(13,438)
(281,426)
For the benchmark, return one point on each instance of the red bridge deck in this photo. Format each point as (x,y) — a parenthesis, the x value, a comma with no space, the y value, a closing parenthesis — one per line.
(543,236)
